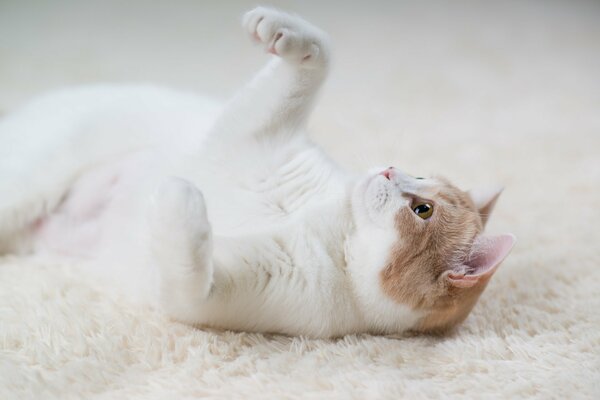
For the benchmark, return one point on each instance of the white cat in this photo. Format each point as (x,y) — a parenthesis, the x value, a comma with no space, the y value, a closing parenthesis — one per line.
(230,217)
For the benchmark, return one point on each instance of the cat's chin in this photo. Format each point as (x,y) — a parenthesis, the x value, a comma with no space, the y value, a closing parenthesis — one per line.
(362,209)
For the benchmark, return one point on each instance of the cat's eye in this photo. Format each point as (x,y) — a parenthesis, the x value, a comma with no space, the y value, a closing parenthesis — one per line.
(423,210)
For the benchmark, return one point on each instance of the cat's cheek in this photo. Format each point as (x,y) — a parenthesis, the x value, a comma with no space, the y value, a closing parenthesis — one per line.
(368,254)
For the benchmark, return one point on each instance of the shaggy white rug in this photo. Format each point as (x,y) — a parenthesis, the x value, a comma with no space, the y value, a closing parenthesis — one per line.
(505,92)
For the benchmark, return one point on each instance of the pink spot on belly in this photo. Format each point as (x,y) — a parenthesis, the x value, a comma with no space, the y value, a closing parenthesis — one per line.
(37,225)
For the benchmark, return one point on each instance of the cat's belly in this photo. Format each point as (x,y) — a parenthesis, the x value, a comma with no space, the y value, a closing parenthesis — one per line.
(104,210)
(103,207)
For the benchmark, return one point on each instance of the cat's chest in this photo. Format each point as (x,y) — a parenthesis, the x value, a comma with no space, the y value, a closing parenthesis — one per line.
(259,193)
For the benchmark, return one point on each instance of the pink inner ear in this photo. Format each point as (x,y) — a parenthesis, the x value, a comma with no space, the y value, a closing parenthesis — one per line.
(488,252)
(486,255)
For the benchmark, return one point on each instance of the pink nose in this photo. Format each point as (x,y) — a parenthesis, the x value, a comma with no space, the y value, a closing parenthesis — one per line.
(387,172)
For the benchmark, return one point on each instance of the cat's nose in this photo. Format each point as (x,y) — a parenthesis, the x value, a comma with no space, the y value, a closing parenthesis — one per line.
(387,172)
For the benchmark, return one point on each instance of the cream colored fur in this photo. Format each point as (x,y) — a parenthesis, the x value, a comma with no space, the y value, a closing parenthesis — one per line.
(535,331)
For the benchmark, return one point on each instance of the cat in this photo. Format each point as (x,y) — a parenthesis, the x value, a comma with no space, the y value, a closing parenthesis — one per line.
(230,217)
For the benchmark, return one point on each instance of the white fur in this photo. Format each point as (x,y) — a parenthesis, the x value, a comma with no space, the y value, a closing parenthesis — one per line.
(236,220)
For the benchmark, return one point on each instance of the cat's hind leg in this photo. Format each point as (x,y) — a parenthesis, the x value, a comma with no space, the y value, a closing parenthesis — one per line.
(181,247)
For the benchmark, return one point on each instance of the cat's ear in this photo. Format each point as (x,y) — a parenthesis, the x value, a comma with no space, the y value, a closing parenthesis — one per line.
(486,255)
(485,200)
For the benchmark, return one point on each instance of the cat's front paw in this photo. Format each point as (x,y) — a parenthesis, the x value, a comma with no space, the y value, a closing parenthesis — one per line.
(287,36)
(177,204)
(179,227)
(181,247)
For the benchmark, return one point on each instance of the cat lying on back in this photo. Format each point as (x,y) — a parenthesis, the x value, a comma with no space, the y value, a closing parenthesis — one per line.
(230,217)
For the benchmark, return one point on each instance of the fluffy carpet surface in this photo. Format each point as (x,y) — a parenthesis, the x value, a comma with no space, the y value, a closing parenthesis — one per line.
(504,92)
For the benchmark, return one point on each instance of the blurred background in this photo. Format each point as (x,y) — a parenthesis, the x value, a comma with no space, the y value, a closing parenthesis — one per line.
(466,66)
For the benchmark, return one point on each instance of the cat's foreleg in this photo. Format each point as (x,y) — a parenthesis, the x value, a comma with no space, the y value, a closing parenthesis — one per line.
(280,97)
(181,247)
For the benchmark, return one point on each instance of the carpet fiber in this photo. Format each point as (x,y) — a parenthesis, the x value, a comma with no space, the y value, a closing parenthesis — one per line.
(505,92)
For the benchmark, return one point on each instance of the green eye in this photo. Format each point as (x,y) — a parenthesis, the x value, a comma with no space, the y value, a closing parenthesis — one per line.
(423,210)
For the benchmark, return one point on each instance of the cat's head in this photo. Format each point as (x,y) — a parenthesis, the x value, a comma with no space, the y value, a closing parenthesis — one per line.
(422,245)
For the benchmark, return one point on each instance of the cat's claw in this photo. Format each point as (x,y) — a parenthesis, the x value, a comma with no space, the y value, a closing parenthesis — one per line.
(287,36)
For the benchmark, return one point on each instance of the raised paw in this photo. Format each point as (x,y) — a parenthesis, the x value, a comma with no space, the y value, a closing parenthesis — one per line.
(287,36)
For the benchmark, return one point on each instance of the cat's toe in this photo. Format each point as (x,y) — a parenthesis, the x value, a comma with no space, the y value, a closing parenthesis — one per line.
(253,20)
(285,35)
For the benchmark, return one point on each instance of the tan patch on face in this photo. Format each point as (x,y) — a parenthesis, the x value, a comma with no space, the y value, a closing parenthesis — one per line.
(427,249)
(451,309)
